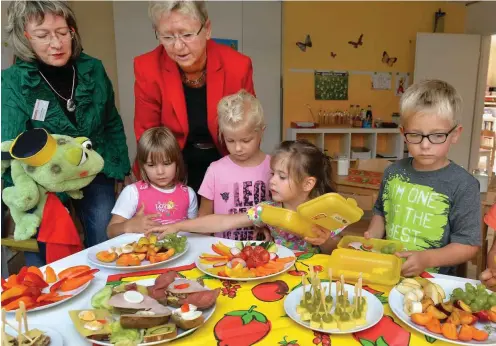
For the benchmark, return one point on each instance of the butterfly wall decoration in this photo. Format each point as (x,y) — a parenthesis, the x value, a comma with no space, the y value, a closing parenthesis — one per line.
(386,59)
(303,45)
(358,43)
(333,55)
(225,196)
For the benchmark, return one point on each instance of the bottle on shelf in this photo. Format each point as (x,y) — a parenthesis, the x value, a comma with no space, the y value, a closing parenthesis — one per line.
(363,117)
(369,116)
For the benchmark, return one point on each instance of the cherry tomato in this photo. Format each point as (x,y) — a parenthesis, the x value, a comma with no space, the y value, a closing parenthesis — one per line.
(248,251)
(258,249)
(250,263)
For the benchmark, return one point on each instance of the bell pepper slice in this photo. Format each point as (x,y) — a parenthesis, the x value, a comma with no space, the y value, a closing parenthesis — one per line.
(12,281)
(181,287)
(87,272)
(22,274)
(51,277)
(37,271)
(222,250)
(73,270)
(43,297)
(72,284)
(28,302)
(58,298)
(33,280)
(57,285)
(13,292)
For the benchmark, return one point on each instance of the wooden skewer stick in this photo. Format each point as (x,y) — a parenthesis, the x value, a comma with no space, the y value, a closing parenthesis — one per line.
(304,290)
(322,298)
(4,334)
(330,281)
(342,284)
(20,317)
(22,306)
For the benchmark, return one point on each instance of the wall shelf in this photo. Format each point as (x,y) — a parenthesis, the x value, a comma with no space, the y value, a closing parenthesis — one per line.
(387,142)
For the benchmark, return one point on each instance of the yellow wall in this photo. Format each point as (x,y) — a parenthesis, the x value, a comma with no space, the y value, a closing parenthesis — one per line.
(95,20)
(389,26)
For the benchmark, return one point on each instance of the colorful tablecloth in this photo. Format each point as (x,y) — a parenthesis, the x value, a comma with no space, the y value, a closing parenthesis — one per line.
(250,313)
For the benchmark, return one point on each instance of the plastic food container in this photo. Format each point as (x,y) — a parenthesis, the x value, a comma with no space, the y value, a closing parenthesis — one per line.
(375,268)
(371,245)
(330,211)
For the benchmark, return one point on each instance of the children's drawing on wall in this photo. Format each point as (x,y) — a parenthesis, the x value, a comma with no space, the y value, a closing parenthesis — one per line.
(381,80)
(386,59)
(357,43)
(228,42)
(401,83)
(331,85)
(303,45)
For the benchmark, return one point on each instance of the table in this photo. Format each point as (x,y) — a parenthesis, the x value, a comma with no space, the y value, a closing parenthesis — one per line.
(57,317)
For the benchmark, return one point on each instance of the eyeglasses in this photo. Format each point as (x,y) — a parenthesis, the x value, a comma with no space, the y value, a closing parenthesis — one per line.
(63,35)
(169,40)
(434,138)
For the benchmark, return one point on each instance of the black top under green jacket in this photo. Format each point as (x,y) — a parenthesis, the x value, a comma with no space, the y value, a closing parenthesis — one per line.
(96,115)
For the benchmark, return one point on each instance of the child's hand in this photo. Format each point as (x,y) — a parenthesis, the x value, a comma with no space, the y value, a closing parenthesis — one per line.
(141,223)
(367,235)
(415,264)
(262,230)
(321,236)
(488,278)
(163,230)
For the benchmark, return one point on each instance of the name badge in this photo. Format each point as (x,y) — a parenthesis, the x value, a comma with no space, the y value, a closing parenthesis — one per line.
(40,110)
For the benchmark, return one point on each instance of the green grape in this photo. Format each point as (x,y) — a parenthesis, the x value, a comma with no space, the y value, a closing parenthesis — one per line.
(475,307)
(466,301)
(487,306)
(469,288)
(470,296)
(345,316)
(308,295)
(481,288)
(462,296)
(480,301)
(457,291)
(492,300)
(327,318)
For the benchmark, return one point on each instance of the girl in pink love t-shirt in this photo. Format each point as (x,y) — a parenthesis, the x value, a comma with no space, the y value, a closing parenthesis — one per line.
(238,181)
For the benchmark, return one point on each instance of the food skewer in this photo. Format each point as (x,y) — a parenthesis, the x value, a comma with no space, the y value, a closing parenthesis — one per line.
(322,300)
(330,282)
(304,290)
(342,284)
(22,307)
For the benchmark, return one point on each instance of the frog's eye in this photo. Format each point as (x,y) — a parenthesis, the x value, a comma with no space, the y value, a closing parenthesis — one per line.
(87,145)
(84,157)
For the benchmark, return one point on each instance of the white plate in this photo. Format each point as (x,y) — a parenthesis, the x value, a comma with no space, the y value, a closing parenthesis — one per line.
(396,305)
(144,264)
(47,290)
(180,333)
(55,337)
(375,309)
(281,252)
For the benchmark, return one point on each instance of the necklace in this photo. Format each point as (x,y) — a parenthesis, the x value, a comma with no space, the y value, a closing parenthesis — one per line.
(70,104)
(195,83)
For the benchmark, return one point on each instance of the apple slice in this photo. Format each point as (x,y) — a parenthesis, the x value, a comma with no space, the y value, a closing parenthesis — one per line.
(447,308)
(431,291)
(426,302)
(440,290)
(460,304)
(404,288)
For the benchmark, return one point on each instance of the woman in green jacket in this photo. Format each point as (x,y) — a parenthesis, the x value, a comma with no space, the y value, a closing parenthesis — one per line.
(78,100)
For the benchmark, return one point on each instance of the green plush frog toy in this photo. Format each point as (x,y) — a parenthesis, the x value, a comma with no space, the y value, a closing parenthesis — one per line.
(42,165)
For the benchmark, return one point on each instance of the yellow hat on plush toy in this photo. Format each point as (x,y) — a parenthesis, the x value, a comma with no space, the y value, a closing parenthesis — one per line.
(34,147)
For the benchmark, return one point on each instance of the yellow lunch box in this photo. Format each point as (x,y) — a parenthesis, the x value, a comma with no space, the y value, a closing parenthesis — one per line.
(330,211)
(375,268)
(382,246)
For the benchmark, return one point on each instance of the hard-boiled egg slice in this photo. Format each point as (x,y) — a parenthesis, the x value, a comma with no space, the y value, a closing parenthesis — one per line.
(93,325)
(86,315)
(133,297)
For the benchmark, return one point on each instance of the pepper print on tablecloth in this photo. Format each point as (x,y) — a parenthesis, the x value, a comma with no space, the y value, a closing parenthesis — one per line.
(385,333)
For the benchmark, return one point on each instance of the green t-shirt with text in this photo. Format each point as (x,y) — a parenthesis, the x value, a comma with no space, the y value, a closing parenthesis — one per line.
(428,210)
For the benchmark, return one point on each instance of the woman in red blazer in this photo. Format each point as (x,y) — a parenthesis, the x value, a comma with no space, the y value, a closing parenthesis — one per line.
(180,83)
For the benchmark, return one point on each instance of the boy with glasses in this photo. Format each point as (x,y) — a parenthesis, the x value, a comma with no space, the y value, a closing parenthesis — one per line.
(426,201)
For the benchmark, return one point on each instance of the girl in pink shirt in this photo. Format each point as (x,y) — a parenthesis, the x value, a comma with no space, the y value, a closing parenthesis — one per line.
(238,181)
(300,172)
(161,197)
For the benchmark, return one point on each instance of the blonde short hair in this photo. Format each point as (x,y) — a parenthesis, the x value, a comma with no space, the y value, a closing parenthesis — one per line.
(195,9)
(20,12)
(161,144)
(238,110)
(431,97)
